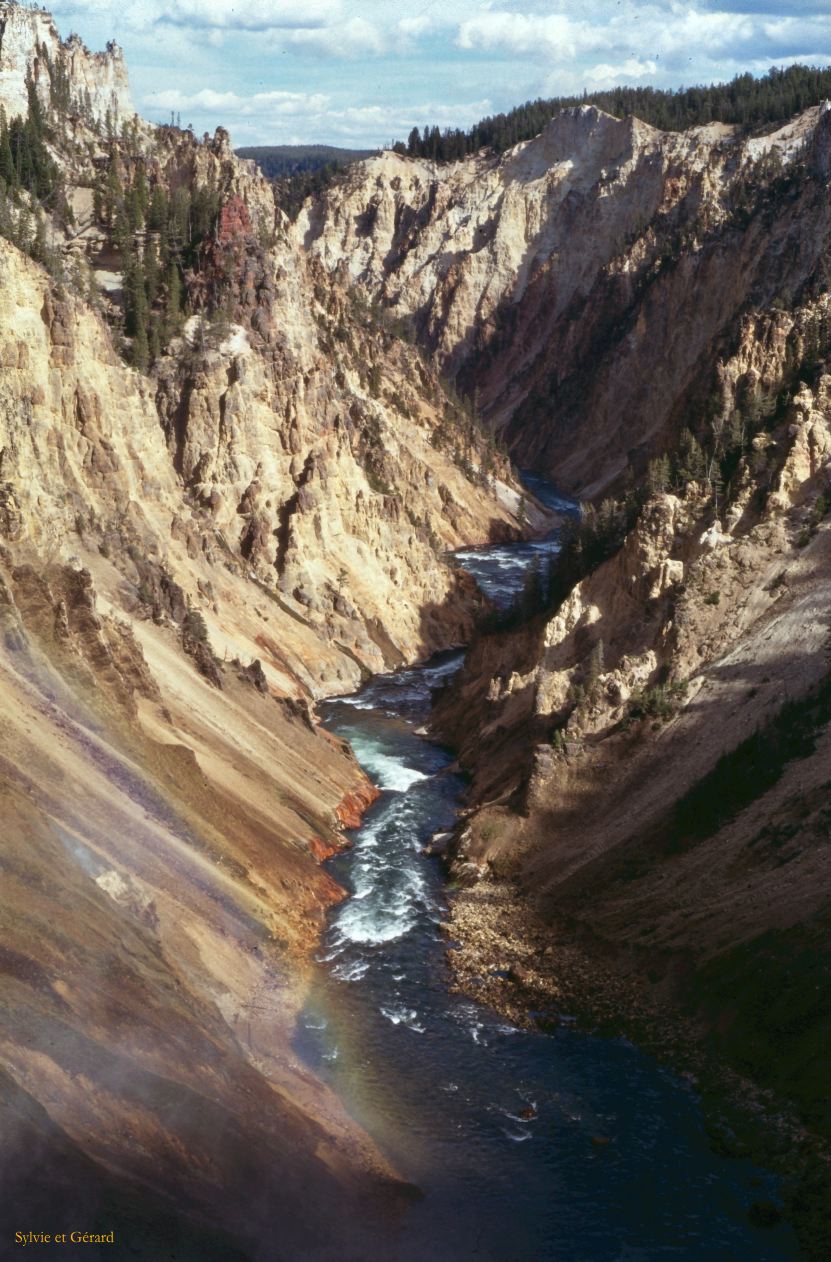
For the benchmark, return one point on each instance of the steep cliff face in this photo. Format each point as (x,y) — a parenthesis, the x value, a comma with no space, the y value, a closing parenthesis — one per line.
(159,897)
(191,555)
(188,558)
(29,43)
(582,283)
(289,440)
(164,817)
(650,759)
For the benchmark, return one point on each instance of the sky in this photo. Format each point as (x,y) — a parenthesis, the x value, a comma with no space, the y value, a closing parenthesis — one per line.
(364,72)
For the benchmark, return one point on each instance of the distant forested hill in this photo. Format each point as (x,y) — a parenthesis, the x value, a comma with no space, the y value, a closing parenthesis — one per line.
(278,161)
(745,100)
(298,171)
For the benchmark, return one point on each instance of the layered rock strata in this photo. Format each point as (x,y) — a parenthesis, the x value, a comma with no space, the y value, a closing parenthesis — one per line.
(580,286)
(188,559)
(649,759)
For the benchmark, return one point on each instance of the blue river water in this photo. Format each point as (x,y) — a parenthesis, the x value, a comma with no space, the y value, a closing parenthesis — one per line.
(501,570)
(614,1165)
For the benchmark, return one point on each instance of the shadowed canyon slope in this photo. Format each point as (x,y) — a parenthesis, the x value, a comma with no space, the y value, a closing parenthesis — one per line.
(651,755)
(649,751)
(582,283)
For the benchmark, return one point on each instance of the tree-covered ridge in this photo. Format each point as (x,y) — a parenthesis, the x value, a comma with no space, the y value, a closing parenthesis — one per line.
(277,161)
(301,171)
(31,184)
(715,462)
(157,231)
(745,101)
(158,234)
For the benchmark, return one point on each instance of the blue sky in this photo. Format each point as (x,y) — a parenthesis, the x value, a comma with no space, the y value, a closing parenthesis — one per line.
(363,72)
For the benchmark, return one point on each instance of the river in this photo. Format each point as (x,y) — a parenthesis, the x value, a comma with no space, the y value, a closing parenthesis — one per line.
(615,1164)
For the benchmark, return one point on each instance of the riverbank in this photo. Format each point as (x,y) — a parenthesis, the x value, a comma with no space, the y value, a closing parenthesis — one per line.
(546,977)
(526,1142)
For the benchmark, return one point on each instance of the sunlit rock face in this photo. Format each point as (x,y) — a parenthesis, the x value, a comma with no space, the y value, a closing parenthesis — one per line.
(189,558)
(98,82)
(580,284)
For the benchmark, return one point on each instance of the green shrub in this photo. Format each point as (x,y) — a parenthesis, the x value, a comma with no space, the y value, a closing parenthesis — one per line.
(195,627)
(660,701)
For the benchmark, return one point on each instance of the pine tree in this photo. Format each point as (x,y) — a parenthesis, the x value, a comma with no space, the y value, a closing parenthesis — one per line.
(135,211)
(531,601)
(113,194)
(136,311)
(151,272)
(173,306)
(659,475)
(734,431)
(22,233)
(596,667)
(6,224)
(122,231)
(141,193)
(157,211)
(140,351)
(39,248)
(35,118)
(180,219)
(7,171)
(692,464)
(155,339)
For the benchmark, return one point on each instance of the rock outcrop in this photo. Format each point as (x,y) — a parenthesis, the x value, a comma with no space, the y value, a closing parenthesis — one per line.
(188,559)
(31,49)
(254,516)
(650,758)
(165,808)
(584,284)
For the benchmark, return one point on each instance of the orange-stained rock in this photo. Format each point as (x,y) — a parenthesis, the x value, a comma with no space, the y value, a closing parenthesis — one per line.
(234,222)
(323,850)
(328,891)
(351,810)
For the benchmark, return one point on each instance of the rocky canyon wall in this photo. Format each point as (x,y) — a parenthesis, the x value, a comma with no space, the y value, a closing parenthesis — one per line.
(583,284)
(649,757)
(188,559)
(29,42)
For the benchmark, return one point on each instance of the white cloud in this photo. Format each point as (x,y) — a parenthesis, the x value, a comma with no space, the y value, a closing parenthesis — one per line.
(634,29)
(259,15)
(264,66)
(282,117)
(698,31)
(523,33)
(260,105)
(606,76)
(353,38)
(262,15)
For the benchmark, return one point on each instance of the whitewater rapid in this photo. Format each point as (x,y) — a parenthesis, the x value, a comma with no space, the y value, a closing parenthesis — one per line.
(527,1146)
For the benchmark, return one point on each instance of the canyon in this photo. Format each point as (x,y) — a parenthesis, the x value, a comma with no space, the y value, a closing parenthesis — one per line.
(198,550)
(189,561)
(648,754)
(584,281)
